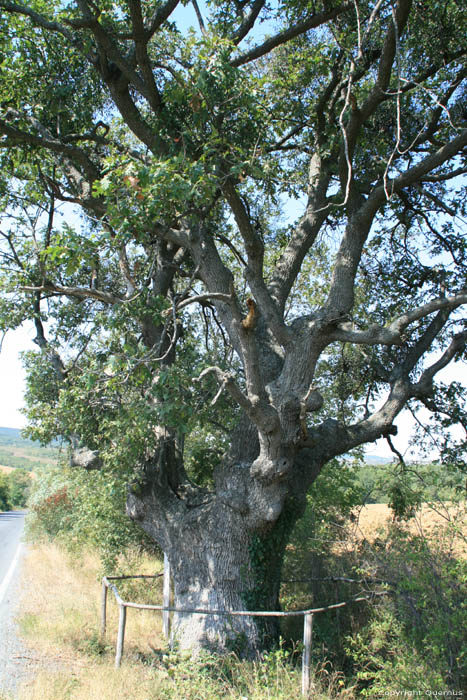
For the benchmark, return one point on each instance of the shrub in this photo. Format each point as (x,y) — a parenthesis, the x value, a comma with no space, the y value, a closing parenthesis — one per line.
(84,508)
(52,514)
(415,640)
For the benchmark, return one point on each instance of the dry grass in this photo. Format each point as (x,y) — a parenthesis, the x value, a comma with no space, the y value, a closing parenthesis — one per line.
(60,621)
(96,682)
(8,470)
(26,455)
(61,605)
(429,520)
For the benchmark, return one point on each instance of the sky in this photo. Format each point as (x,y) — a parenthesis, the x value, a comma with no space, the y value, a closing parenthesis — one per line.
(12,376)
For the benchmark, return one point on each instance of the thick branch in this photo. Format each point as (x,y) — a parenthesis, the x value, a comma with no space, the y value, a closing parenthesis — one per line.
(227,381)
(248,22)
(41,341)
(422,345)
(378,94)
(201,298)
(180,237)
(341,296)
(392,334)
(333,438)
(425,383)
(126,272)
(254,245)
(141,37)
(303,237)
(254,272)
(45,140)
(419,172)
(160,16)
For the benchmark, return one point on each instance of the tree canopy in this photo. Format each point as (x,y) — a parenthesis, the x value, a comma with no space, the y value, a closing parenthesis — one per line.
(269,260)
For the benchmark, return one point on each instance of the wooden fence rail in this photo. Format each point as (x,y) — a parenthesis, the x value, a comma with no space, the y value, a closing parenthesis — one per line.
(166,609)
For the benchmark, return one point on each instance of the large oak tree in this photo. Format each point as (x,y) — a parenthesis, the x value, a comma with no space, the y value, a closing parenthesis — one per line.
(269,264)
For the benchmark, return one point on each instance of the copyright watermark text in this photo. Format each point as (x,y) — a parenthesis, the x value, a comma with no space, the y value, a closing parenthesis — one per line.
(423,694)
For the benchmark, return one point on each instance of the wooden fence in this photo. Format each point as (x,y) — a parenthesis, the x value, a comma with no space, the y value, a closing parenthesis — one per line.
(166,609)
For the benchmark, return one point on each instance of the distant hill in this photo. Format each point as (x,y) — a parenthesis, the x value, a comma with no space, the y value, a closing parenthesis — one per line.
(374,459)
(10,435)
(19,452)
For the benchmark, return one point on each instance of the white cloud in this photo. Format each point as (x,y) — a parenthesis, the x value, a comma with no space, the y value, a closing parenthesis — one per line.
(12,376)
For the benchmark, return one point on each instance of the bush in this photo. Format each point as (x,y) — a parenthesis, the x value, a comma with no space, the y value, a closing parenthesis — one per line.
(52,514)
(83,508)
(415,640)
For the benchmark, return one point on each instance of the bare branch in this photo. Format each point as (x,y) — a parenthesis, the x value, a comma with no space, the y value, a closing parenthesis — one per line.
(199,16)
(79,292)
(248,22)
(419,172)
(254,272)
(341,296)
(333,438)
(253,243)
(288,34)
(289,264)
(399,324)
(160,16)
(388,54)
(201,298)
(359,114)
(227,381)
(126,272)
(444,177)
(422,345)
(141,38)
(180,237)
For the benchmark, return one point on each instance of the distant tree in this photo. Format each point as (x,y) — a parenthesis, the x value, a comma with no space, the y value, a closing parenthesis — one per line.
(4,501)
(19,484)
(269,266)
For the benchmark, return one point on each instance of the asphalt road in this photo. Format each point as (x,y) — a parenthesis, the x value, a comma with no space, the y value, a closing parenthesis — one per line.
(11,529)
(14,661)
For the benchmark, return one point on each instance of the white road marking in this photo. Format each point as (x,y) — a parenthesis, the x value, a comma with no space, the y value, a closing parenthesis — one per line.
(9,575)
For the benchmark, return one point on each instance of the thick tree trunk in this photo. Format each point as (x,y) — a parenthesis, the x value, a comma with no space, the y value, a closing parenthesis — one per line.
(212,570)
(226,567)
(218,562)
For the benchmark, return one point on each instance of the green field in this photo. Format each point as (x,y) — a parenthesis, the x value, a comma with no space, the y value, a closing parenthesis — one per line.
(19,452)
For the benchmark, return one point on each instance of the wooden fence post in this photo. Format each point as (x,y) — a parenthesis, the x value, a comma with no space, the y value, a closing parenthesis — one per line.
(306,661)
(121,635)
(166,598)
(103,608)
